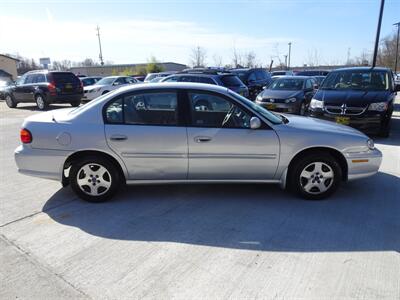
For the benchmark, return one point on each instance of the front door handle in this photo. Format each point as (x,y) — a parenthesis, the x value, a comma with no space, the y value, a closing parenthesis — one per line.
(118,137)
(202,139)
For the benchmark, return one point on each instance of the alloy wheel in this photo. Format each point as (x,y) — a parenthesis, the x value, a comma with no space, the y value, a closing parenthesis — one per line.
(40,102)
(94,179)
(316,178)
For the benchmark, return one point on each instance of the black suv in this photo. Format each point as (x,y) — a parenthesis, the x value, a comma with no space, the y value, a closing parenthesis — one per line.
(254,79)
(360,97)
(45,87)
(210,76)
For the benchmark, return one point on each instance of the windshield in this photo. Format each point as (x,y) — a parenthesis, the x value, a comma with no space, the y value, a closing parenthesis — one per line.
(261,110)
(106,81)
(231,80)
(287,84)
(368,80)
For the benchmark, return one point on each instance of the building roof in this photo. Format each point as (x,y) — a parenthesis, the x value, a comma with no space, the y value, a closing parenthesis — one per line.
(10,57)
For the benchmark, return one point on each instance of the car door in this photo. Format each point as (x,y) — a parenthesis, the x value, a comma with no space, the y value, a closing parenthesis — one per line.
(18,88)
(145,130)
(222,148)
(27,89)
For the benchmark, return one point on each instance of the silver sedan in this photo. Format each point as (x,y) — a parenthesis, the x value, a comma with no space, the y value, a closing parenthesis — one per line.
(189,133)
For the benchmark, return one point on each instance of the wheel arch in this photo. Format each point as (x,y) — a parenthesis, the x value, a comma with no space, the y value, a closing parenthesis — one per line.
(332,151)
(84,153)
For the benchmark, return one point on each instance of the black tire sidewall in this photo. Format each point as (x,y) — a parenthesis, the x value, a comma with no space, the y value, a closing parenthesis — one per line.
(13,103)
(300,164)
(75,103)
(112,169)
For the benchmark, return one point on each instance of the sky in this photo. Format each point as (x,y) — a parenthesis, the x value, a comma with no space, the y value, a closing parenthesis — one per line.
(323,31)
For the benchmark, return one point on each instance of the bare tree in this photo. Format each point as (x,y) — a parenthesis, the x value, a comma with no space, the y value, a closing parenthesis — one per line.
(217,60)
(237,60)
(250,59)
(387,51)
(313,57)
(198,57)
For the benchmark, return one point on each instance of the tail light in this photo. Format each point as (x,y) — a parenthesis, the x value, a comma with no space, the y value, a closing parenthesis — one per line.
(26,136)
(52,88)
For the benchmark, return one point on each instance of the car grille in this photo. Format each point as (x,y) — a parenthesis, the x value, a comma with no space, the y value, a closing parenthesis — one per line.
(273,100)
(344,110)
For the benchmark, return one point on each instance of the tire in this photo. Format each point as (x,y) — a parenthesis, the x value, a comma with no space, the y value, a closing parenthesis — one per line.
(305,179)
(302,109)
(41,102)
(94,179)
(385,129)
(76,103)
(10,101)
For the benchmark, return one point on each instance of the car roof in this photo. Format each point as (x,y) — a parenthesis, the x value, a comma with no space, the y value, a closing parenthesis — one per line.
(362,69)
(173,85)
(296,77)
(203,74)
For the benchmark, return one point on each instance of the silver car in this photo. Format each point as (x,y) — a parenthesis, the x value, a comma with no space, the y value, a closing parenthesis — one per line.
(189,133)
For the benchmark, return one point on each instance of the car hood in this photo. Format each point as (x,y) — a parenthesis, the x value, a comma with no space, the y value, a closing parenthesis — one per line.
(351,97)
(279,94)
(318,125)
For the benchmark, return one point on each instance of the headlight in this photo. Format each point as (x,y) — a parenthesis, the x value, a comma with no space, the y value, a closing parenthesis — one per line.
(316,104)
(378,106)
(291,100)
(259,98)
(370,144)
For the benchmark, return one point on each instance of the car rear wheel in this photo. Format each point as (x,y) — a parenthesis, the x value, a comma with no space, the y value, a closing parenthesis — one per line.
(41,102)
(75,103)
(10,101)
(94,179)
(315,176)
(302,109)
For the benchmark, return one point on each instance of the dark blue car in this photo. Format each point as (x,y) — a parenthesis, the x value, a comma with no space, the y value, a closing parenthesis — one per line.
(360,97)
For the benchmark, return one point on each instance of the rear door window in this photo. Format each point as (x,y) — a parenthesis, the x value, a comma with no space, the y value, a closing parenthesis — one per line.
(30,79)
(206,80)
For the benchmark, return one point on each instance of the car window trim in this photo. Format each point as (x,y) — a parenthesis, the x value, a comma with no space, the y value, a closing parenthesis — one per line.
(180,119)
(188,110)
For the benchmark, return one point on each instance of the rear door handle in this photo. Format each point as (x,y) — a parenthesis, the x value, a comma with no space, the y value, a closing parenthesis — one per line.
(118,137)
(202,139)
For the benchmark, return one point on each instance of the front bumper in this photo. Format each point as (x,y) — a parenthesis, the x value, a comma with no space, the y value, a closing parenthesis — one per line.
(40,162)
(368,122)
(365,164)
(90,96)
(290,108)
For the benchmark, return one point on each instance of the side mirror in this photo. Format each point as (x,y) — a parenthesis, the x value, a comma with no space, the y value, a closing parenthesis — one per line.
(255,123)
(316,86)
(116,83)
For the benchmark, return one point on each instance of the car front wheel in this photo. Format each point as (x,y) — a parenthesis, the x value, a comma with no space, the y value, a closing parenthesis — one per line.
(315,176)
(94,179)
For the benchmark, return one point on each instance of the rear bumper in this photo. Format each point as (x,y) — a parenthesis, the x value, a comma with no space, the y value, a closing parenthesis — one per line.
(64,98)
(40,162)
(361,165)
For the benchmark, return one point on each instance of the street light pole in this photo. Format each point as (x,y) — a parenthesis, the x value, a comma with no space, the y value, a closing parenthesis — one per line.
(101,54)
(397,46)
(290,48)
(378,31)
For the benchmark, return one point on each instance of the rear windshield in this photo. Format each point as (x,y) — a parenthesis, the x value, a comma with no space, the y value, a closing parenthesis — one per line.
(365,80)
(64,77)
(231,80)
(278,73)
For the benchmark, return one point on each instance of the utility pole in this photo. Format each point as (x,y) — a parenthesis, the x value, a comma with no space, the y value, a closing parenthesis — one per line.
(397,46)
(290,48)
(286,61)
(378,31)
(101,54)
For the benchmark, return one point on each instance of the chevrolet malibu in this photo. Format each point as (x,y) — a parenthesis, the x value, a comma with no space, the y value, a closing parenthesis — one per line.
(189,133)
